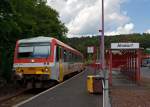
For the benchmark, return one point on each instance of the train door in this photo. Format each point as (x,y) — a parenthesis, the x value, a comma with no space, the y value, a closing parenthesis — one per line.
(59,62)
(65,61)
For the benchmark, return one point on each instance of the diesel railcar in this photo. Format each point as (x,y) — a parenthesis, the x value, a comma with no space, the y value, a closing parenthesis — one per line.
(42,59)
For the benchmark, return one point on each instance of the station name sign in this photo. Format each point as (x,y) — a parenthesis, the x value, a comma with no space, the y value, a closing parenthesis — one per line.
(125,46)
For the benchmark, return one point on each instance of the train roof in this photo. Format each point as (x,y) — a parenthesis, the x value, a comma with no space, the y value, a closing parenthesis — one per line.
(46,39)
(67,46)
(35,39)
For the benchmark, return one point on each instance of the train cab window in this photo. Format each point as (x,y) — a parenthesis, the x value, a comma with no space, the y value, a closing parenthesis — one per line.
(34,50)
(41,51)
(25,52)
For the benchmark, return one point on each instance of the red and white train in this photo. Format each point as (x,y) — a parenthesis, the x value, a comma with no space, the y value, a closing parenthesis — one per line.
(45,58)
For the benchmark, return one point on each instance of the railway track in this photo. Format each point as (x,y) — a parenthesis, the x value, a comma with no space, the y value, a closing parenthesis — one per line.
(11,96)
(24,94)
(19,96)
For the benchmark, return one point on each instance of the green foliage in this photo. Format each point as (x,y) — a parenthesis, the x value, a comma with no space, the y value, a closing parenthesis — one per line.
(83,42)
(23,19)
(147,51)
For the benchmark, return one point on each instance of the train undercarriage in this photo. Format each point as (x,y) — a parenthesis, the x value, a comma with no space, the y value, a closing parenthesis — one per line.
(35,81)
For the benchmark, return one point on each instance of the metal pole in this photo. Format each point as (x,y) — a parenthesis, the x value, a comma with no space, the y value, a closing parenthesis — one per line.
(102,38)
(110,67)
(105,72)
(138,66)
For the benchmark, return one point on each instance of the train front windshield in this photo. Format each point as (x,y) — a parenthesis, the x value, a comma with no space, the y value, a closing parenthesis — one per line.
(33,50)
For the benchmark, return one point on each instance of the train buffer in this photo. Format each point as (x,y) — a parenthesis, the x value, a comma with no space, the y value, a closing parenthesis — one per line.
(71,93)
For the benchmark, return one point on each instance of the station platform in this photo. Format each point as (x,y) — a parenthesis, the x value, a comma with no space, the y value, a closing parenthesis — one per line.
(71,93)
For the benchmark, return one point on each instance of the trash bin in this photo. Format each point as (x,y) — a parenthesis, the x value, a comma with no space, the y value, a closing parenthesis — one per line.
(94,84)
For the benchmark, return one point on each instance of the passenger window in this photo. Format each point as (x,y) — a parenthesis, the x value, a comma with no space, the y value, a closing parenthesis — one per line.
(65,56)
(57,53)
(70,57)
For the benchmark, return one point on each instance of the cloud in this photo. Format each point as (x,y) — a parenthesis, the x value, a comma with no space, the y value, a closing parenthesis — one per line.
(83,17)
(125,29)
(147,31)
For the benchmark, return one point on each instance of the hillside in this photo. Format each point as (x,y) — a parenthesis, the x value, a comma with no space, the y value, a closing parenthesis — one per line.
(83,42)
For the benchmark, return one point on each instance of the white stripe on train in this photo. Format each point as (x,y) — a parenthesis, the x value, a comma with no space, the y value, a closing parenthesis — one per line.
(32,65)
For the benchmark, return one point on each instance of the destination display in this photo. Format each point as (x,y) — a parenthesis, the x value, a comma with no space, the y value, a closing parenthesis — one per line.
(125,45)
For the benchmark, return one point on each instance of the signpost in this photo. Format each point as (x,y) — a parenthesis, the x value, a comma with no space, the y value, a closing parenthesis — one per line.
(125,45)
(90,49)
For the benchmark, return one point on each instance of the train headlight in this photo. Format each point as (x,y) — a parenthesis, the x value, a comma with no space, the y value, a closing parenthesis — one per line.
(45,69)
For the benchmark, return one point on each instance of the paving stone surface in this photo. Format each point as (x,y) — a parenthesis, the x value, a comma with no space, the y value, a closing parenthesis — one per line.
(125,93)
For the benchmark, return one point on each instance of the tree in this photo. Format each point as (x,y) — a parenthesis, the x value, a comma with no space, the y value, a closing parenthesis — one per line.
(24,19)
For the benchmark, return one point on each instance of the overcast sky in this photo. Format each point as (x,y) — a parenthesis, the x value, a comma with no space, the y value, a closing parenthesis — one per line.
(83,17)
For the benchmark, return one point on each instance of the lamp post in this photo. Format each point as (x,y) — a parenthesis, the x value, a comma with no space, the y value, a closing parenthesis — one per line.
(106,102)
(102,39)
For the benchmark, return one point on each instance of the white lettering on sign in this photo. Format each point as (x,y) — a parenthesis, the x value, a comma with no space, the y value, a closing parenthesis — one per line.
(124,45)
